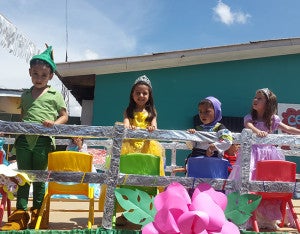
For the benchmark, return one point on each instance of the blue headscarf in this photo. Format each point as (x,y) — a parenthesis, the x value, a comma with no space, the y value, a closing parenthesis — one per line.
(218,112)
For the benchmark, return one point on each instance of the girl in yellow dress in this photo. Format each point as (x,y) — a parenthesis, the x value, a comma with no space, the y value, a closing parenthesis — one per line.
(141,113)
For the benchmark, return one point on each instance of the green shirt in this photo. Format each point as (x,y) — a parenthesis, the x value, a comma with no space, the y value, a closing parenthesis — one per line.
(45,107)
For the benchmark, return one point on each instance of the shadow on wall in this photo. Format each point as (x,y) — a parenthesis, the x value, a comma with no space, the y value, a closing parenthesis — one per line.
(234,124)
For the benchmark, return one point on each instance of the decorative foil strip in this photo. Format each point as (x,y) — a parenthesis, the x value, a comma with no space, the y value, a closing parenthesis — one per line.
(61,130)
(14,41)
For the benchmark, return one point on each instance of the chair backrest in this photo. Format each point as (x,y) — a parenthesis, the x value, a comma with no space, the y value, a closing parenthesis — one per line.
(141,164)
(69,161)
(138,163)
(276,170)
(207,167)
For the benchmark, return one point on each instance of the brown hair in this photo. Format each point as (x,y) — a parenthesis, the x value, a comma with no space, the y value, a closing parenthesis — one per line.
(150,108)
(271,107)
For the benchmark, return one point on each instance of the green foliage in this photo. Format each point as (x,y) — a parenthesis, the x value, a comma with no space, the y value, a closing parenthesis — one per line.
(138,205)
(240,207)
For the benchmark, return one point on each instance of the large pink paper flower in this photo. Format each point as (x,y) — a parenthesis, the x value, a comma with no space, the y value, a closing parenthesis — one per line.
(178,213)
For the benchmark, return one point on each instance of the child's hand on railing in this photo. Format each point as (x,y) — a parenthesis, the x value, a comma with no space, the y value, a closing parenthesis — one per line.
(191,130)
(261,133)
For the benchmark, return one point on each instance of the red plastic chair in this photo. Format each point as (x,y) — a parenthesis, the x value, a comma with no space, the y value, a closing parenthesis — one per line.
(4,201)
(277,170)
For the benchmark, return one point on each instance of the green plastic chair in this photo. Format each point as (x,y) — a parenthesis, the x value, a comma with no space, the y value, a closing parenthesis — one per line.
(141,164)
(135,163)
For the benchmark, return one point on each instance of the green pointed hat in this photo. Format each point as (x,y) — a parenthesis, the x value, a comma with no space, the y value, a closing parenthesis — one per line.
(47,57)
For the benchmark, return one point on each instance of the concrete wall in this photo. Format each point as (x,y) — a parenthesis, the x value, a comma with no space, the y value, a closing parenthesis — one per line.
(87,112)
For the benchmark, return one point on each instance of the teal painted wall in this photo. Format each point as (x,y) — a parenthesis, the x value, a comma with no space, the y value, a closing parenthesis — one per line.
(177,91)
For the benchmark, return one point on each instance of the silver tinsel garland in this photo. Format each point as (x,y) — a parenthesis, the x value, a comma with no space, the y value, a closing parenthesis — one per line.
(14,41)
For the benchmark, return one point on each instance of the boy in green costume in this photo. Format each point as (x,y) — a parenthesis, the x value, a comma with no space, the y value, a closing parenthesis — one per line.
(40,104)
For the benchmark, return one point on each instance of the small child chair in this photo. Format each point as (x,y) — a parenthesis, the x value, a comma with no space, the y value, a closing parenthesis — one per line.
(5,202)
(135,163)
(68,161)
(141,164)
(207,167)
(277,170)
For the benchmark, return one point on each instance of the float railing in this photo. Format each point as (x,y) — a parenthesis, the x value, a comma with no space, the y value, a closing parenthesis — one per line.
(114,136)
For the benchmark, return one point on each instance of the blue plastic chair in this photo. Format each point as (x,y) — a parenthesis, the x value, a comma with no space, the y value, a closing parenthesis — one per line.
(207,167)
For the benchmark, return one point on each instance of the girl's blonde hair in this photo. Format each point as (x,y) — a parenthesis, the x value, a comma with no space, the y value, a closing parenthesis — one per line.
(271,107)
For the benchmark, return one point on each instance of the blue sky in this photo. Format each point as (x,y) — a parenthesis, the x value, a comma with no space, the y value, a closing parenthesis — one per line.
(117,28)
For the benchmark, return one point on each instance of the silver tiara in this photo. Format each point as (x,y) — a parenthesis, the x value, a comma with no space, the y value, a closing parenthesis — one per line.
(266,91)
(143,79)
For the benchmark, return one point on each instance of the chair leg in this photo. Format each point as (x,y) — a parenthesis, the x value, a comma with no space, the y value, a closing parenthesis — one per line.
(102,198)
(91,214)
(296,219)
(254,222)
(48,206)
(42,210)
(8,208)
(283,212)
(91,208)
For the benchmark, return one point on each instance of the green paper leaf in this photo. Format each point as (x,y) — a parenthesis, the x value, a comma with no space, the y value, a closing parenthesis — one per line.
(240,207)
(138,205)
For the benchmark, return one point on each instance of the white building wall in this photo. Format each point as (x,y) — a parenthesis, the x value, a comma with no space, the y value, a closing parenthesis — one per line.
(87,112)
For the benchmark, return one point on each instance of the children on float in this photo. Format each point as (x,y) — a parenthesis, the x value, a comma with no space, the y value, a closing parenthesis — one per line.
(77,144)
(40,104)
(210,113)
(141,113)
(263,120)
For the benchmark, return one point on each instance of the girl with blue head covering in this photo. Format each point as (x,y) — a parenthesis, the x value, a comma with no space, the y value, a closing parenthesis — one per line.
(208,120)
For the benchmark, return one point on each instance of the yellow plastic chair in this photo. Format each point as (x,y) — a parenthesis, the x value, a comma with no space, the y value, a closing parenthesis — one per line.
(68,161)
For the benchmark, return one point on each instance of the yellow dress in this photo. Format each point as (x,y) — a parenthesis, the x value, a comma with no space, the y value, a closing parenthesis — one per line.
(143,146)
(138,146)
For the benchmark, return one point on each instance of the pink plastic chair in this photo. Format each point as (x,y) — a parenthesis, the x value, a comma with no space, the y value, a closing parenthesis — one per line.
(277,170)
(4,201)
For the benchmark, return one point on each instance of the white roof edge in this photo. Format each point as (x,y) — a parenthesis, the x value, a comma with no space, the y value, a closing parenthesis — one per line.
(258,49)
(11,92)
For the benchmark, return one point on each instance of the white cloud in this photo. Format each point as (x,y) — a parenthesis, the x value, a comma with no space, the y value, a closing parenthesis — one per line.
(223,13)
(90,55)
(242,17)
